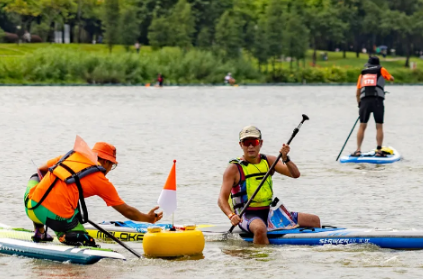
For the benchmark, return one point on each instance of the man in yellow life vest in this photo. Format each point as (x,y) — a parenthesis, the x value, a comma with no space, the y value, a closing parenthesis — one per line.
(241,179)
(57,201)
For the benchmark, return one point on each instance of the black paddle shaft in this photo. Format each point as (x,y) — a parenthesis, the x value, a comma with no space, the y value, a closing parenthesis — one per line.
(114,238)
(294,133)
(347,138)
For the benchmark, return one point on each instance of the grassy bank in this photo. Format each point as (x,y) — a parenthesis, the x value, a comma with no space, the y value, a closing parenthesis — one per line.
(93,64)
(53,65)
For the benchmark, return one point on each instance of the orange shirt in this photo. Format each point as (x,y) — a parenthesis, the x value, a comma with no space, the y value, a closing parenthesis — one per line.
(386,75)
(63,198)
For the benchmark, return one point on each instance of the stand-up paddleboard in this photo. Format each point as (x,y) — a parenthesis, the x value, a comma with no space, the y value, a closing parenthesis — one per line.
(394,239)
(18,242)
(389,238)
(370,157)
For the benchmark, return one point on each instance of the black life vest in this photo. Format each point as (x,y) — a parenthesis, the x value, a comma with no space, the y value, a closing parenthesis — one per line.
(372,82)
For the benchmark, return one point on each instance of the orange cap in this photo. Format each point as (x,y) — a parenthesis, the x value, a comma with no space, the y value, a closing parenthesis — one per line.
(105,151)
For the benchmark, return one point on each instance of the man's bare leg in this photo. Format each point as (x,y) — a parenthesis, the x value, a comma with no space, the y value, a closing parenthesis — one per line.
(40,227)
(360,135)
(379,134)
(308,220)
(259,229)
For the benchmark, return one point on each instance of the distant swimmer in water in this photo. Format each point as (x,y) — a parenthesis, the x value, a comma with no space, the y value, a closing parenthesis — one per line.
(160,80)
(229,79)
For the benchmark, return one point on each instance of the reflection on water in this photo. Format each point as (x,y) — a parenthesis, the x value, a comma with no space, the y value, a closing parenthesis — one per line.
(189,258)
(258,253)
(199,126)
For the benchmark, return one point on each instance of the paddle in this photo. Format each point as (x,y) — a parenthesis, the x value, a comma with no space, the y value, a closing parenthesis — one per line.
(294,133)
(114,238)
(348,138)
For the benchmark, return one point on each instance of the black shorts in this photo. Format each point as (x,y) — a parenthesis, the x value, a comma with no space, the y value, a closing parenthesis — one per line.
(251,215)
(369,105)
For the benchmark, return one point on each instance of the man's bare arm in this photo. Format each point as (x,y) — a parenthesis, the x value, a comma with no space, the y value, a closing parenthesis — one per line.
(229,178)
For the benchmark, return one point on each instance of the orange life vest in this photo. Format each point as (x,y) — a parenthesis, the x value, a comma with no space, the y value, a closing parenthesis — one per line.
(71,168)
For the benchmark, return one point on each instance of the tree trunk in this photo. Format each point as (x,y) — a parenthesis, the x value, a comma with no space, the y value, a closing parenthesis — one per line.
(52,30)
(71,33)
(374,44)
(407,61)
(345,50)
(314,53)
(79,32)
(357,47)
(79,21)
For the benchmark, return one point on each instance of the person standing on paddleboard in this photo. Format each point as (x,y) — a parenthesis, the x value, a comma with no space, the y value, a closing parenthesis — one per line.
(56,200)
(243,176)
(370,97)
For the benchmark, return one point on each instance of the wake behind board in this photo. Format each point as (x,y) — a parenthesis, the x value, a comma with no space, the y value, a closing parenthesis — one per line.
(371,158)
(392,239)
(19,242)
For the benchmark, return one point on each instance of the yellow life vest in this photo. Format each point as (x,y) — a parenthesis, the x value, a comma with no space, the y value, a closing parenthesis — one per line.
(251,176)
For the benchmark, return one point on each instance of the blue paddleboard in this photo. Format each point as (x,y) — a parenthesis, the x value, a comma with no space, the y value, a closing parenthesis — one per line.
(393,239)
(370,158)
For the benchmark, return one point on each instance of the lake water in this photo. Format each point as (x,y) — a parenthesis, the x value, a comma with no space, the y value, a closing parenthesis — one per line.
(199,126)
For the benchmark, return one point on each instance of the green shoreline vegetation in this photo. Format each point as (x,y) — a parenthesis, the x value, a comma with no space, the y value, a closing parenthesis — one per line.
(200,41)
(93,64)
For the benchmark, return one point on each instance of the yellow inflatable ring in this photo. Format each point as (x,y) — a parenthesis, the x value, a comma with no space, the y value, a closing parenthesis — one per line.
(164,243)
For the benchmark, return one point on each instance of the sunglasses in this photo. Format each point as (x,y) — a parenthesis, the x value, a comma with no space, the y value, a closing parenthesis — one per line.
(248,142)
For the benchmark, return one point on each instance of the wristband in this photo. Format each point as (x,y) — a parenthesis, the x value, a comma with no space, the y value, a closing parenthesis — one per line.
(231,215)
(287,160)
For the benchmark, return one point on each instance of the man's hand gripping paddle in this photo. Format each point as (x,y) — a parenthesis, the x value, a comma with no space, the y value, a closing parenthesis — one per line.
(294,133)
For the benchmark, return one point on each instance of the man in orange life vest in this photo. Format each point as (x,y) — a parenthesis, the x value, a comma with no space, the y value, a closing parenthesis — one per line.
(370,96)
(56,200)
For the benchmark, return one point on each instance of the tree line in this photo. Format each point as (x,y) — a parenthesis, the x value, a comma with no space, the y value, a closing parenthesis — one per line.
(264,29)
